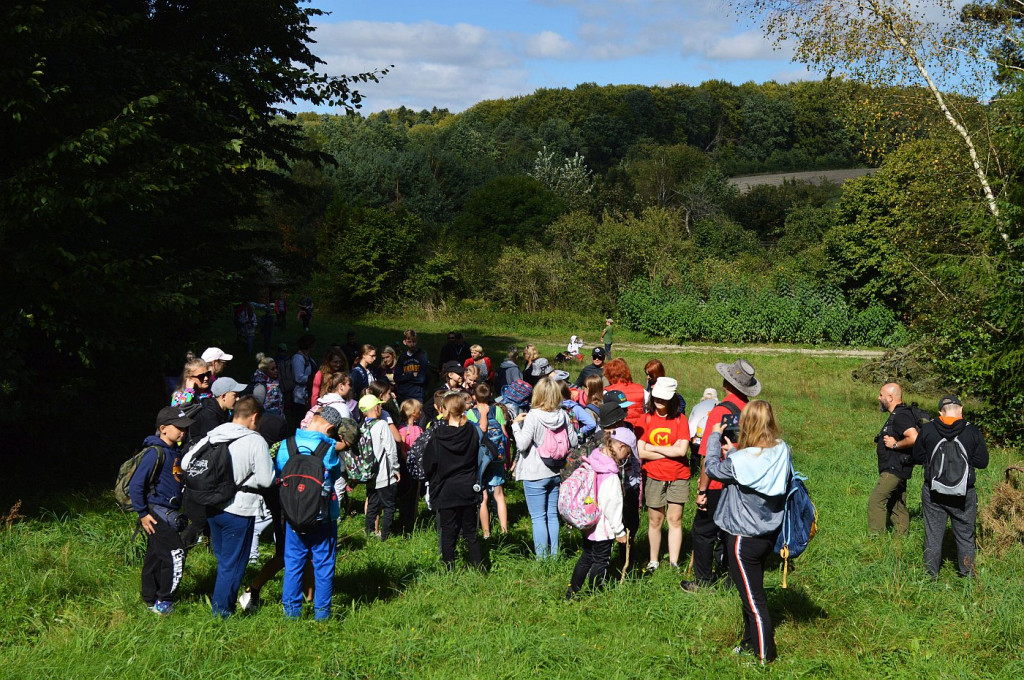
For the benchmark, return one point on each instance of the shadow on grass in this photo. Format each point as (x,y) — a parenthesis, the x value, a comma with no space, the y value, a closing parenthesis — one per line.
(375,583)
(792,604)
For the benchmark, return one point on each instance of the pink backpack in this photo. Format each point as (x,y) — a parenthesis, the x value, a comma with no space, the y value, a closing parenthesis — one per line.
(554,447)
(577,498)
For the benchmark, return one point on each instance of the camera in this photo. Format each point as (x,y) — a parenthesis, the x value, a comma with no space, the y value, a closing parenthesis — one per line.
(732,428)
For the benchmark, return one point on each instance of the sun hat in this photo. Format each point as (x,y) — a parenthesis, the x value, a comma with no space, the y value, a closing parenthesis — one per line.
(610,413)
(560,375)
(368,401)
(626,436)
(173,415)
(709,393)
(664,388)
(740,375)
(541,367)
(617,396)
(222,386)
(215,354)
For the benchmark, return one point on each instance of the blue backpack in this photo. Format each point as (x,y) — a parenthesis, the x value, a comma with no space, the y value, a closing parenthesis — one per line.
(799,522)
(484,457)
(494,432)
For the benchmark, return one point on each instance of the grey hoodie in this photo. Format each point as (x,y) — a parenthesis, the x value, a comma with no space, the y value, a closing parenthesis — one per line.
(529,434)
(250,463)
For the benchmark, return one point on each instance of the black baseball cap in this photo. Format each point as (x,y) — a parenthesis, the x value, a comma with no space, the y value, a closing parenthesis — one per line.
(949,400)
(598,353)
(173,415)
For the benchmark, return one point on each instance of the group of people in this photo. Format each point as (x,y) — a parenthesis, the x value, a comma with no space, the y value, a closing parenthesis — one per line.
(365,417)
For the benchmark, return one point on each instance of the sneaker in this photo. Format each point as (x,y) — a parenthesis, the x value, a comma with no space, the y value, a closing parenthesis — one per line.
(689,586)
(249,601)
(652,566)
(674,566)
(162,607)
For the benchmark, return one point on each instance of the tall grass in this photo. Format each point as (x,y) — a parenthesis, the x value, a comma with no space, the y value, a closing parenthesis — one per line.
(857,607)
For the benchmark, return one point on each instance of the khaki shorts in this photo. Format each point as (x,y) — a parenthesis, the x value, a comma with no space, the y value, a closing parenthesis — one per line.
(657,494)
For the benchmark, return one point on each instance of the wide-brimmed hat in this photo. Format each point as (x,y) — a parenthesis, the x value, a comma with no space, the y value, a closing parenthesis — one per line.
(560,375)
(610,413)
(540,367)
(740,375)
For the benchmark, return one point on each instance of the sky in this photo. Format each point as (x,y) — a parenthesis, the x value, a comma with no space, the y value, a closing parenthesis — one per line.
(453,53)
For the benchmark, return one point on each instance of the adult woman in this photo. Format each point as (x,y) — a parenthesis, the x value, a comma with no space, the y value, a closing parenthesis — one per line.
(664,446)
(450,462)
(334,362)
(756,476)
(530,354)
(386,369)
(266,374)
(195,382)
(540,482)
(619,378)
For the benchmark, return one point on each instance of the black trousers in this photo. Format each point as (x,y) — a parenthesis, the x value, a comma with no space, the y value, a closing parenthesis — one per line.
(452,522)
(747,558)
(709,559)
(163,565)
(630,511)
(380,502)
(408,501)
(592,566)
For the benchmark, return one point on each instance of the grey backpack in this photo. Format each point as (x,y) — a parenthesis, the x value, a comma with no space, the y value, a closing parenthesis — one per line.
(950,467)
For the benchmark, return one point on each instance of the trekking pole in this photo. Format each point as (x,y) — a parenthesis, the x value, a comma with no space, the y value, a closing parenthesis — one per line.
(625,566)
(689,567)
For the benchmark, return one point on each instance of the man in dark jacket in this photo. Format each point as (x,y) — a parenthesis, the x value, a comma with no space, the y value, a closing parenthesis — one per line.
(455,349)
(596,368)
(411,371)
(155,490)
(936,506)
(888,500)
(508,372)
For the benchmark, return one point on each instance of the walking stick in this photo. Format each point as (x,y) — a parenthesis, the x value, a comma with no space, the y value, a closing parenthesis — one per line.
(625,566)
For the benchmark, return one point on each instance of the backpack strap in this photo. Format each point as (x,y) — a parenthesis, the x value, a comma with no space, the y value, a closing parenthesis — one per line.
(730,407)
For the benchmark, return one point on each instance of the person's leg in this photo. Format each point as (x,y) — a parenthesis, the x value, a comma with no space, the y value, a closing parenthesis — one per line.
(934,517)
(582,568)
(601,553)
(260,525)
(387,503)
(607,351)
(373,507)
(231,548)
(324,550)
(296,554)
(499,502)
(536,503)
(448,526)
(878,502)
(172,561)
(655,518)
(675,532)
(468,516)
(704,534)
(553,484)
(746,567)
(631,510)
(485,517)
(963,518)
(898,509)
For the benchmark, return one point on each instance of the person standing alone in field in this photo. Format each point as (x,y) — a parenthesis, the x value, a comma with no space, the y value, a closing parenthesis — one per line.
(949,444)
(607,338)
(894,444)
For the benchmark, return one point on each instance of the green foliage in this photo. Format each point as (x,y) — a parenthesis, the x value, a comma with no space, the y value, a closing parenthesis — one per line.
(765,207)
(721,238)
(507,208)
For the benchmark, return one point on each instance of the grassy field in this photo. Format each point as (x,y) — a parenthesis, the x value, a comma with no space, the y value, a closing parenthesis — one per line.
(857,607)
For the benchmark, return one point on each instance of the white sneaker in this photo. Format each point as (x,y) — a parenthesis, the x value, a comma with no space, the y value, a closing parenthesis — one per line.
(248,603)
(652,566)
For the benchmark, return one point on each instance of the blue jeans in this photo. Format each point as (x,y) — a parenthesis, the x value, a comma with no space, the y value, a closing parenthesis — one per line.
(320,545)
(230,538)
(542,502)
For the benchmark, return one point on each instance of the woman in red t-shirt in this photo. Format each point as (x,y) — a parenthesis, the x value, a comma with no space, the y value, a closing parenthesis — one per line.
(619,378)
(664,445)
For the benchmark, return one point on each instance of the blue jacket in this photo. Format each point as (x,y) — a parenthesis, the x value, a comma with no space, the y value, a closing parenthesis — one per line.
(754,496)
(309,440)
(588,423)
(169,483)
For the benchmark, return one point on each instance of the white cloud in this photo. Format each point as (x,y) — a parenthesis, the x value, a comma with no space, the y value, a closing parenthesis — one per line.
(547,45)
(742,46)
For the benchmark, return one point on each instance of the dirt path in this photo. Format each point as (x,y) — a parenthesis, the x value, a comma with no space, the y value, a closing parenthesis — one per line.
(814,176)
(748,349)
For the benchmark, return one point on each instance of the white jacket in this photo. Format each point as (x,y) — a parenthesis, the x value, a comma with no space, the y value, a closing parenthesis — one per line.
(250,464)
(386,451)
(609,500)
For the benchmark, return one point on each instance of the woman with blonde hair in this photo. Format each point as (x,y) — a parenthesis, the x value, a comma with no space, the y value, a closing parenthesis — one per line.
(196,380)
(545,425)
(530,354)
(756,472)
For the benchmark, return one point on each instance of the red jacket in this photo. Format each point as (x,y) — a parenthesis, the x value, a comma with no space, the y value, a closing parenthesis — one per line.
(714,418)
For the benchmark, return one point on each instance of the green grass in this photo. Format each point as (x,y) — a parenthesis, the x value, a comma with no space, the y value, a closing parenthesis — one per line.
(857,606)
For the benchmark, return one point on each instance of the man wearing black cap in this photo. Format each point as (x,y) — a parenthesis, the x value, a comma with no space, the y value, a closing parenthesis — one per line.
(596,368)
(155,490)
(950,449)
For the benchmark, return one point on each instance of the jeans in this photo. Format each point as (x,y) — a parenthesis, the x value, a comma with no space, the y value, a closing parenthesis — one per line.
(320,546)
(888,501)
(961,512)
(542,502)
(592,566)
(230,539)
(747,556)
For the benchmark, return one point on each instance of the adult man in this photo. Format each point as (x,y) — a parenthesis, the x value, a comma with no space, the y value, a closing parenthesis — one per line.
(607,337)
(708,543)
(894,444)
(302,368)
(595,368)
(411,370)
(455,349)
(231,523)
(952,438)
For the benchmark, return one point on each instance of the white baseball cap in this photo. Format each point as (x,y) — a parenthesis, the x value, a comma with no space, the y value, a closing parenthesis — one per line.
(214,354)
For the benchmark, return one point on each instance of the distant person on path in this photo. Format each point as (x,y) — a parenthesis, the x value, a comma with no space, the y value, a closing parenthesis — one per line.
(944,504)
(155,490)
(894,446)
(267,322)
(411,370)
(607,338)
(540,482)
(305,312)
(709,559)
(454,349)
(195,382)
(508,372)
(232,524)
(281,308)
(245,326)
(596,367)
(756,472)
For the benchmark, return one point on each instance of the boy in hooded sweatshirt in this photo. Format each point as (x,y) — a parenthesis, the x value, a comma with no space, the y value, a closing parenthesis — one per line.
(232,523)
(450,462)
(155,490)
(380,491)
(592,566)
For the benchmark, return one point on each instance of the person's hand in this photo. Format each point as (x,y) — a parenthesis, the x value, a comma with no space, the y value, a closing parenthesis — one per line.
(148,524)
(622,539)
(702,500)
(398,477)
(726,445)
(719,428)
(890,441)
(519,418)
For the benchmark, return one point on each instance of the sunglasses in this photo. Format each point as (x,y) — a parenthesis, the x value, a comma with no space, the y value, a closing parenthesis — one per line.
(202,377)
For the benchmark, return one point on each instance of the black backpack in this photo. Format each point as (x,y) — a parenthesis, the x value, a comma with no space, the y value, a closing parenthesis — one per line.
(210,478)
(950,467)
(920,416)
(304,491)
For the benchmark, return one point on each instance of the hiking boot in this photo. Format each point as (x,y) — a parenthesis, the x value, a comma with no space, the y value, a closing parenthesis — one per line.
(249,601)
(162,607)
(689,586)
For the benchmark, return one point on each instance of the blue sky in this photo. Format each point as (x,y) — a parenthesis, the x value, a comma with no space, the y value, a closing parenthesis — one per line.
(452,54)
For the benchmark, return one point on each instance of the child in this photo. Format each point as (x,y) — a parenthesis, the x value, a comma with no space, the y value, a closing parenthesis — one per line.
(487,415)
(380,491)
(469,383)
(592,566)
(155,491)
(334,391)
(408,488)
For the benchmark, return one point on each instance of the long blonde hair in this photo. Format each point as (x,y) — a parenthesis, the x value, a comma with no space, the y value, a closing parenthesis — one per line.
(530,353)
(547,395)
(757,426)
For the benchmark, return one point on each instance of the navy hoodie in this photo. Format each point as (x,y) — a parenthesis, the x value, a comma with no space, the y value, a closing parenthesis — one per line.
(935,431)
(167,490)
(411,375)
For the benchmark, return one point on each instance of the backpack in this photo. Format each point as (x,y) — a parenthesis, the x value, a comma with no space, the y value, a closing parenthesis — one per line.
(485,455)
(414,457)
(799,522)
(494,433)
(554,446)
(305,492)
(127,471)
(950,467)
(286,378)
(361,463)
(920,416)
(210,478)
(584,446)
(577,498)
(517,393)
